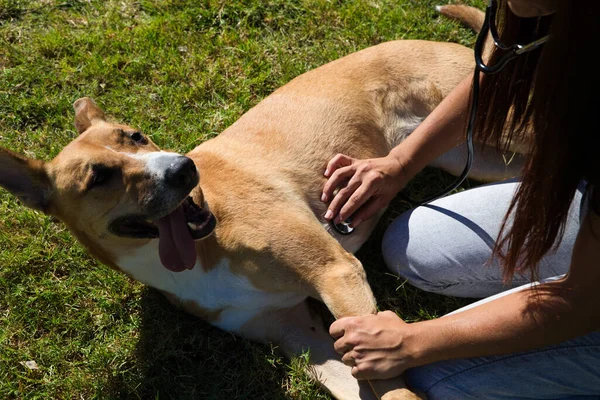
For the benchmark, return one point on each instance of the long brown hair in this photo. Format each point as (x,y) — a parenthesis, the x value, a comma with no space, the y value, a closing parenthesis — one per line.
(550,96)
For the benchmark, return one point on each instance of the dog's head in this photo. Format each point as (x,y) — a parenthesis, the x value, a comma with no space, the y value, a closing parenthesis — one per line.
(115,190)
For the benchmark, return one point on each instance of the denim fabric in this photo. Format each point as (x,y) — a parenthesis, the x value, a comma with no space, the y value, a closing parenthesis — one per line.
(445,248)
(568,370)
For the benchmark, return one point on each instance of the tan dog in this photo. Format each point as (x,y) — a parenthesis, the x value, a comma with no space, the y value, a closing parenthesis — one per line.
(137,209)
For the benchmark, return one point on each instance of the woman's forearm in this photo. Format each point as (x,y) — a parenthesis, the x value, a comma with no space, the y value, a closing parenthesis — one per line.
(441,131)
(383,345)
(550,313)
(523,320)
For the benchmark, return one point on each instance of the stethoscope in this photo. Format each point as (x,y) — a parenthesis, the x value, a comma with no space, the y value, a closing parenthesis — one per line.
(512,52)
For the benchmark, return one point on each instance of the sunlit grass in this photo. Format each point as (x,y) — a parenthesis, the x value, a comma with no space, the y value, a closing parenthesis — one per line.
(182,71)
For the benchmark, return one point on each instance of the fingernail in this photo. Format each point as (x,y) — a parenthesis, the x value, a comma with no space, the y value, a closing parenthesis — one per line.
(328,214)
(326,173)
(323,197)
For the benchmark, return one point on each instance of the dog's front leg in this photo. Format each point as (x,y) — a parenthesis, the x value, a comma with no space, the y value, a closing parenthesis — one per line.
(346,292)
(299,329)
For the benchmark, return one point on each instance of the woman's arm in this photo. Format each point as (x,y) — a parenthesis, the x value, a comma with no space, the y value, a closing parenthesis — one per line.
(441,131)
(374,182)
(383,346)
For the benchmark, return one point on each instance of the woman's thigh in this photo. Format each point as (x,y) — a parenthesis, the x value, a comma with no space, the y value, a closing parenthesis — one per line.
(567,370)
(446,246)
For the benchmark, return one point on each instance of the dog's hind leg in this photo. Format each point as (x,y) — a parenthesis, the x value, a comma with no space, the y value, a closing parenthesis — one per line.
(298,330)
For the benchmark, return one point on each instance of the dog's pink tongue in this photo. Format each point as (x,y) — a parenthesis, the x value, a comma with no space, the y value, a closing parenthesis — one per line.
(175,244)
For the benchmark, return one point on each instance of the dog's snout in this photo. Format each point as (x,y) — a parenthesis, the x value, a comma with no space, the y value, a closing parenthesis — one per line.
(181,173)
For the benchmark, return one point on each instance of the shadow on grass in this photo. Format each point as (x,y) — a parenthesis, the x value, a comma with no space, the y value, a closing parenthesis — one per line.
(179,356)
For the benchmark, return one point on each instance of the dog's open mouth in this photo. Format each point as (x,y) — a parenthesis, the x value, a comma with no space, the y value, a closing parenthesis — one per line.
(176,233)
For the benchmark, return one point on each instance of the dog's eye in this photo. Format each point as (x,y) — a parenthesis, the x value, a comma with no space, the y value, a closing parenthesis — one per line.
(100,176)
(137,137)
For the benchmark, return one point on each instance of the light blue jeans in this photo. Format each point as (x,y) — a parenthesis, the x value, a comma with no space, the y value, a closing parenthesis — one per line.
(445,248)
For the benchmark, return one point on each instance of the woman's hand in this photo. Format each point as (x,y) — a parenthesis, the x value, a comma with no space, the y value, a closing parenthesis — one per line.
(373,345)
(371,185)
(366,186)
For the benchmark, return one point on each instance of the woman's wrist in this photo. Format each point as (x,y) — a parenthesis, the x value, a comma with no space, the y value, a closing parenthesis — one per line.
(408,166)
(421,343)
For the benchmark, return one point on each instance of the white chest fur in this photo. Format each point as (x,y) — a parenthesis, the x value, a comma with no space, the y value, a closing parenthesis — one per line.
(217,289)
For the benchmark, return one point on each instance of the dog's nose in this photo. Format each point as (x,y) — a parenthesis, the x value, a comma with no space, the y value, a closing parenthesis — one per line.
(181,173)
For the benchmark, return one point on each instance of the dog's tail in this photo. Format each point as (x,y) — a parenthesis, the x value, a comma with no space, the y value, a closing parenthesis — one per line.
(470,16)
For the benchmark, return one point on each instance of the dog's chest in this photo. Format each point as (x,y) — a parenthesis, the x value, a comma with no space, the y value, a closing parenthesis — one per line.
(218,291)
(351,243)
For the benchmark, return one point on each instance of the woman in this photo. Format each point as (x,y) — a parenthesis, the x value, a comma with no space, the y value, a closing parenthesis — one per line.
(535,341)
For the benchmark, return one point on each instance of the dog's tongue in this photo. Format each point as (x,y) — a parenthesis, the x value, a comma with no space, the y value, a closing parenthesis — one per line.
(175,244)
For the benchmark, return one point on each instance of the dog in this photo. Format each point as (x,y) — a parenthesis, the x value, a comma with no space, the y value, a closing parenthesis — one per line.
(233,232)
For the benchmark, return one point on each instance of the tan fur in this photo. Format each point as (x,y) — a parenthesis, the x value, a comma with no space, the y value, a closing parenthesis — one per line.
(209,252)
(345,106)
(85,215)
(262,179)
(470,16)
(86,114)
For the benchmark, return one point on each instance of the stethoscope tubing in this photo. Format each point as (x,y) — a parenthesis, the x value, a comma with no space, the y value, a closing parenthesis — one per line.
(513,51)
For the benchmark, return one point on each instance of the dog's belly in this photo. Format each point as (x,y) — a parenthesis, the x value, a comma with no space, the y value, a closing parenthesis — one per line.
(230,299)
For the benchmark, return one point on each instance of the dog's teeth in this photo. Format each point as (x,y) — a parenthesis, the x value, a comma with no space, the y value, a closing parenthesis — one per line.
(193,226)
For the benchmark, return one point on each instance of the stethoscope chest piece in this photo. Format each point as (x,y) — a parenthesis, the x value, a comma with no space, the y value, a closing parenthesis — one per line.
(343,228)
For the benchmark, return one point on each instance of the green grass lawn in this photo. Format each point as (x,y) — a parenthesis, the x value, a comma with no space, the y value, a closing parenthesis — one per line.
(182,71)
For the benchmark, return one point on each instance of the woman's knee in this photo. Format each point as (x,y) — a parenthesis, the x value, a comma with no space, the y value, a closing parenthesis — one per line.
(442,251)
(409,254)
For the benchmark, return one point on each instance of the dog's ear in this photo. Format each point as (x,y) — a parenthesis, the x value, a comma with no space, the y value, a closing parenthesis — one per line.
(26,178)
(87,113)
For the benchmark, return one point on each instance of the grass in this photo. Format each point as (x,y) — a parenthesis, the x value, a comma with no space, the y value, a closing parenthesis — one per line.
(182,71)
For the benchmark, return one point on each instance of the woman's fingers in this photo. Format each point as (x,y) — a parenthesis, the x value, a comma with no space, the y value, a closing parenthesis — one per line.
(350,358)
(341,199)
(352,201)
(338,328)
(338,177)
(367,210)
(361,373)
(337,171)
(336,162)
(364,186)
